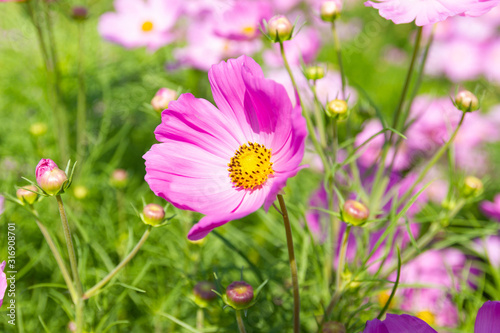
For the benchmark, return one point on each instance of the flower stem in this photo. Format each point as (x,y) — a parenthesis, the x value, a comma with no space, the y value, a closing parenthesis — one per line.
(59,260)
(293,265)
(340,270)
(199,319)
(310,127)
(92,291)
(406,86)
(434,159)
(69,243)
(81,102)
(241,326)
(338,51)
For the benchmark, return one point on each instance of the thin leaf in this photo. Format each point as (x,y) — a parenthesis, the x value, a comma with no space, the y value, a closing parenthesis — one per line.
(394,288)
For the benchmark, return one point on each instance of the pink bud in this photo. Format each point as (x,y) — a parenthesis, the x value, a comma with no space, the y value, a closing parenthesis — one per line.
(153,214)
(279,28)
(49,177)
(162,98)
(27,196)
(119,178)
(329,11)
(203,290)
(355,212)
(239,294)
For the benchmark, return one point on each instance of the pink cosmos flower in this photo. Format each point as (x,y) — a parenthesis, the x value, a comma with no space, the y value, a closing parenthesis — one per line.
(425,12)
(490,248)
(242,20)
(491,209)
(3,282)
(205,48)
(227,162)
(138,23)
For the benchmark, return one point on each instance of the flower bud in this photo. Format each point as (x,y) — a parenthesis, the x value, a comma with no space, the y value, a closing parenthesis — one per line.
(314,73)
(279,28)
(153,214)
(466,101)
(355,212)
(72,326)
(472,186)
(162,98)
(329,11)
(79,13)
(38,129)
(337,109)
(119,178)
(49,177)
(239,295)
(26,196)
(80,192)
(203,293)
(333,327)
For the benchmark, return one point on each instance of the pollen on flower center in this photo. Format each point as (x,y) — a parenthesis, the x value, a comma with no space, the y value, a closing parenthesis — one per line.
(250,166)
(427,316)
(147,26)
(249,31)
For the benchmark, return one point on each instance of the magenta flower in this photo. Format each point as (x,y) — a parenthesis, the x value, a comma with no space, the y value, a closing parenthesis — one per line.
(243,19)
(3,282)
(423,12)
(227,162)
(490,249)
(491,209)
(138,23)
(398,324)
(487,321)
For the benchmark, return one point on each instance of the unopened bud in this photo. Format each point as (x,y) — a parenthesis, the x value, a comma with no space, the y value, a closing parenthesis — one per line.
(72,326)
(355,212)
(279,28)
(314,73)
(329,11)
(472,186)
(79,13)
(239,295)
(466,101)
(49,177)
(162,98)
(119,178)
(337,109)
(38,129)
(26,196)
(203,293)
(80,192)
(153,214)
(333,327)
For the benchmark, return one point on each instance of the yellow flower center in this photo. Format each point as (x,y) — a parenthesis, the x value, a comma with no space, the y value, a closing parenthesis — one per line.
(427,316)
(147,26)
(250,166)
(383,297)
(248,31)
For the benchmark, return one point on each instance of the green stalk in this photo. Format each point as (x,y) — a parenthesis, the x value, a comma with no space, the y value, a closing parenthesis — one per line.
(310,127)
(92,291)
(239,320)
(318,113)
(199,319)
(69,243)
(338,51)
(81,116)
(59,260)
(340,270)
(293,265)
(434,159)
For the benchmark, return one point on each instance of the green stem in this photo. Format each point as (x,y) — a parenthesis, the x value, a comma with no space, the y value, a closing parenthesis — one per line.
(80,322)
(434,159)
(338,51)
(335,143)
(92,291)
(340,270)
(81,102)
(239,319)
(59,260)
(199,319)
(318,113)
(69,243)
(406,86)
(293,265)
(310,127)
